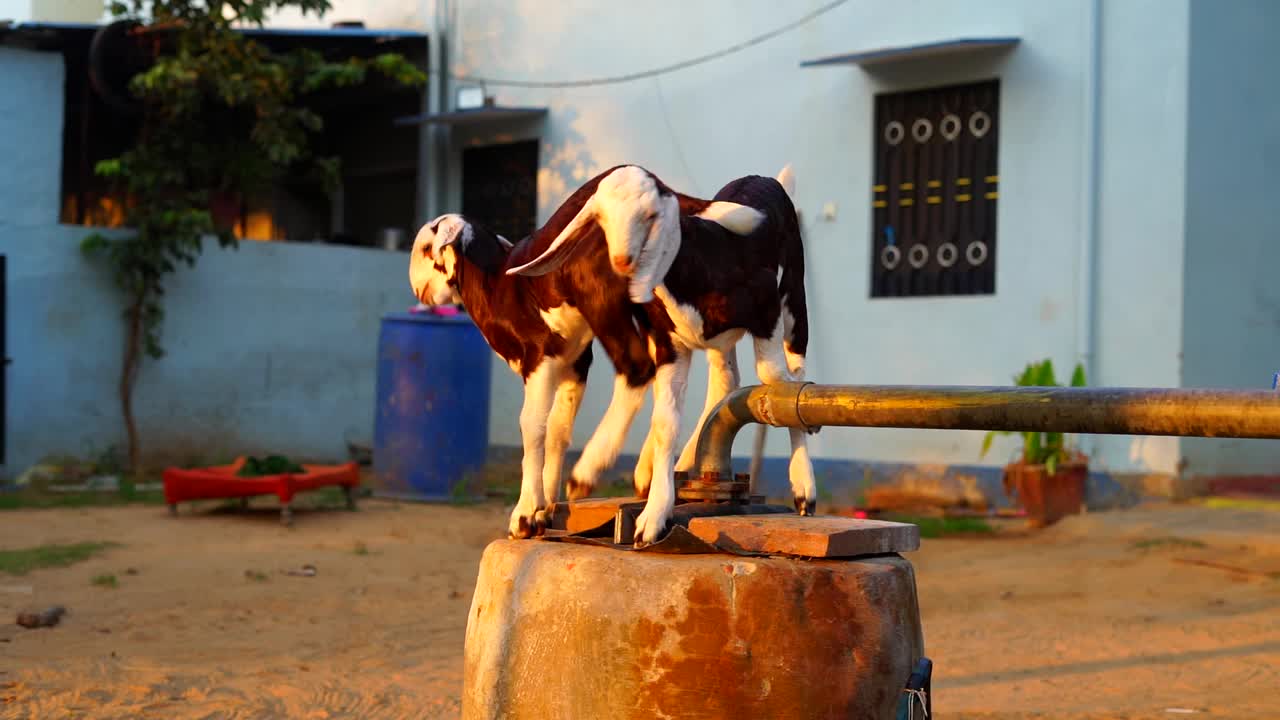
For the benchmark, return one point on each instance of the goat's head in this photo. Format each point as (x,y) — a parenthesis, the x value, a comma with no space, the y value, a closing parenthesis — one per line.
(640,218)
(439,248)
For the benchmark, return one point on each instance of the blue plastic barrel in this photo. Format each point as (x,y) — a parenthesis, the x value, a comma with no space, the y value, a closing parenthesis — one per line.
(432,422)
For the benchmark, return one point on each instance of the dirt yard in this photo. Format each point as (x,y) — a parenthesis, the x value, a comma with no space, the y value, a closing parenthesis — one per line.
(1099,617)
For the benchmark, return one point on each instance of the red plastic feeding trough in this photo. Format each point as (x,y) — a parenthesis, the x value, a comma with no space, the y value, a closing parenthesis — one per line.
(223,481)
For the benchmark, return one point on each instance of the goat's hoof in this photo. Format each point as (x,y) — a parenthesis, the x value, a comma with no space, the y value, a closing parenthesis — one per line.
(805,506)
(649,529)
(578,490)
(527,526)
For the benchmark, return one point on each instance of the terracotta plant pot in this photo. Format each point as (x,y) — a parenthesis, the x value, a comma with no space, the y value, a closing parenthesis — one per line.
(1047,498)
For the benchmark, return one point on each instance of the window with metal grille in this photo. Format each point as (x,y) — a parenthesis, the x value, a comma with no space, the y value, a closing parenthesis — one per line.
(935,190)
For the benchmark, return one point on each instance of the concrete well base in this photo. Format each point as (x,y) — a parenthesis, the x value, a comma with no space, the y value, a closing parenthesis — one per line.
(569,631)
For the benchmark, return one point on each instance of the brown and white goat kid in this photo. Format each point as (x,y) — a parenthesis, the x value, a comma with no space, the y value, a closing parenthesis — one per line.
(713,287)
(542,327)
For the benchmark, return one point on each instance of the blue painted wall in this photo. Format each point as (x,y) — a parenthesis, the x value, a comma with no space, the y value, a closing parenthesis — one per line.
(272,347)
(1231,311)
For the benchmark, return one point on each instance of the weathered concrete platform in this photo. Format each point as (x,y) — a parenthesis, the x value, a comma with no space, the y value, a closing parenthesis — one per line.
(567,631)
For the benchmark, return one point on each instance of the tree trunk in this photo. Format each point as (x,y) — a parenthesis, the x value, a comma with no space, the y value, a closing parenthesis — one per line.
(129,373)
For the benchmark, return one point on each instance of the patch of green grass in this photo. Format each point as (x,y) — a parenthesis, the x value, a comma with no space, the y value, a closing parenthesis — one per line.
(936,527)
(107,581)
(329,497)
(494,480)
(462,492)
(616,489)
(23,561)
(1166,542)
(256,575)
(360,548)
(39,498)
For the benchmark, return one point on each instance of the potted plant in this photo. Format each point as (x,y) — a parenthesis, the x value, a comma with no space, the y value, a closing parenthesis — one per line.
(1048,476)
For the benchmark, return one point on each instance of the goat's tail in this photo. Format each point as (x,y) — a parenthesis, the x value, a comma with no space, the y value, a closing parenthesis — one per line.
(787,179)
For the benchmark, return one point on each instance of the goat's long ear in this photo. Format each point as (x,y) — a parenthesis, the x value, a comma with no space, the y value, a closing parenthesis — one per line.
(787,179)
(737,219)
(660,248)
(563,246)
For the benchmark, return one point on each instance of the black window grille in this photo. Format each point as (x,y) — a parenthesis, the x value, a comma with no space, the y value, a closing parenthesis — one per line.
(935,189)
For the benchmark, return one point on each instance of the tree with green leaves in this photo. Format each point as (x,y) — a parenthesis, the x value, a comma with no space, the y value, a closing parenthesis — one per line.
(222,116)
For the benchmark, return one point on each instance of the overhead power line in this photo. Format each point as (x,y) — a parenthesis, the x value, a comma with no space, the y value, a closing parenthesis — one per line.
(614,79)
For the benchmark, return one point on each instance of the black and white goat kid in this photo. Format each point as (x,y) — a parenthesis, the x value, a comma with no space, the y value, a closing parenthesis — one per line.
(543,327)
(702,287)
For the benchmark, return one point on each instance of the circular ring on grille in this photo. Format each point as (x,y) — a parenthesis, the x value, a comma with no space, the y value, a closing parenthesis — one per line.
(948,253)
(922,130)
(950,126)
(890,256)
(894,132)
(979,124)
(976,253)
(919,256)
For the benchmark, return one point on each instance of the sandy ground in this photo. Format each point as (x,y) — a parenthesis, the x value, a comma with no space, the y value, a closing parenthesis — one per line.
(1075,622)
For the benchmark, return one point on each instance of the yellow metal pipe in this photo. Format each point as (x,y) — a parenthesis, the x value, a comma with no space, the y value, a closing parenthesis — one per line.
(1095,411)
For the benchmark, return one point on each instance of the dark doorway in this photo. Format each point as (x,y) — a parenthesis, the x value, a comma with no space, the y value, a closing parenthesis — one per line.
(500,187)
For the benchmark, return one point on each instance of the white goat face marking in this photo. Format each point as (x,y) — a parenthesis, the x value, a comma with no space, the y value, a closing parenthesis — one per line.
(433,262)
(659,251)
(627,203)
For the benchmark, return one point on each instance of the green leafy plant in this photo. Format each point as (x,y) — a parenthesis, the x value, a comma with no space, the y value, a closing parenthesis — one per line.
(269,465)
(24,560)
(222,119)
(1041,448)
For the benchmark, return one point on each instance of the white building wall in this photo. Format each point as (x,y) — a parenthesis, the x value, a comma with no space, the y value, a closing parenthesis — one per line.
(52,10)
(1232,306)
(755,110)
(1141,213)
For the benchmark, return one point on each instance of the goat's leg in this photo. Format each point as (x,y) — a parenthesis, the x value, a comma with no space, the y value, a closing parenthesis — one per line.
(560,433)
(773,367)
(722,378)
(602,449)
(644,466)
(668,399)
(539,395)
